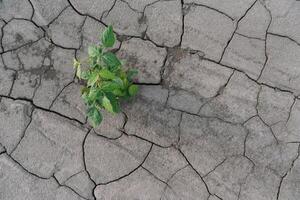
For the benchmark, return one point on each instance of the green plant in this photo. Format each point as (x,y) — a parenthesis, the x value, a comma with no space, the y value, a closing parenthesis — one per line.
(106,83)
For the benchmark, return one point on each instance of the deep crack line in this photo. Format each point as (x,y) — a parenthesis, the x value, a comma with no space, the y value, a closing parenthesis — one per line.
(44,109)
(106,12)
(33,10)
(236,27)
(156,177)
(84,162)
(283,36)
(86,15)
(182,26)
(125,175)
(59,14)
(170,178)
(24,169)
(189,163)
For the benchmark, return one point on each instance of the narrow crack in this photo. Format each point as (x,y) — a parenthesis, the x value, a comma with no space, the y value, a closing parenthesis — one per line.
(254,80)
(146,140)
(215,167)
(263,121)
(109,138)
(207,117)
(222,88)
(14,75)
(249,37)
(290,111)
(67,187)
(179,129)
(21,46)
(245,140)
(106,12)
(266,38)
(56,17)
(211,8)
(60,92)
(84,160)
(24,132)
(163,67)
(288,171)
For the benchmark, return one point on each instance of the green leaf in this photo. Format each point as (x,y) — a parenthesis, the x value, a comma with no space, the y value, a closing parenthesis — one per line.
(133,89)
(118,92)
(108,37)
(93,78)
(111,60)
(107,104)
(106,74)
(94,115)
(95,94)
(110,86)
(119,82)
(85,75)
(131,74)
(114,102)
(93,51)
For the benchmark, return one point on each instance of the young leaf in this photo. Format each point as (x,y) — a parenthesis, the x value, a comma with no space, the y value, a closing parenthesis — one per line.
(133,89)
(108,37)
(75,63)
(94,115)
(93,78)
(85,75)
(78,71)
(110,86)
(119,81)
(118,92)
(93,51)
(107,105)
(106,74)
(111,59)
(95,94)
(114,102)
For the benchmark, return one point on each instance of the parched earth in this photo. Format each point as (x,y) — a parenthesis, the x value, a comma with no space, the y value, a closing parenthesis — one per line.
(217,116)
